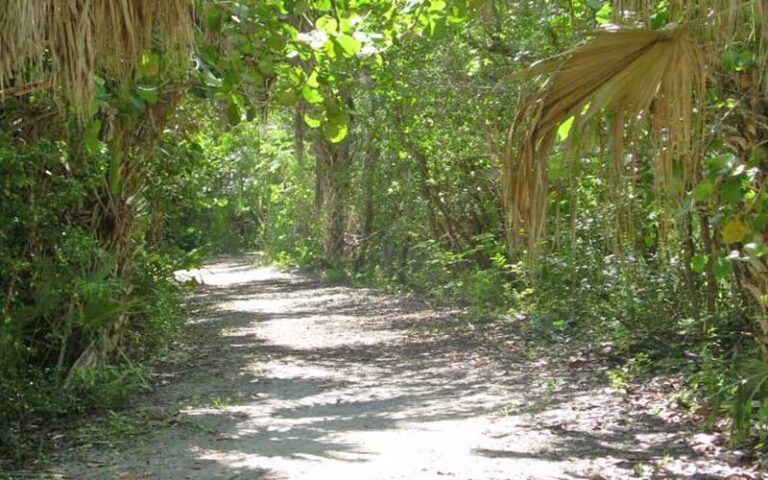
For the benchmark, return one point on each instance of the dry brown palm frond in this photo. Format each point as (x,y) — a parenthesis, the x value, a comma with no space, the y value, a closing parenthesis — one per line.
(628,72)
(71,41)
(24,27)
(719,23)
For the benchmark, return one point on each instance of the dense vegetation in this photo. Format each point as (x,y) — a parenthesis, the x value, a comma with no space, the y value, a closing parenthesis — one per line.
(615,191)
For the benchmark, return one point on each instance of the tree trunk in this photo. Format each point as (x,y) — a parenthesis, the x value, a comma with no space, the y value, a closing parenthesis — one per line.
(331,194)
(369,166)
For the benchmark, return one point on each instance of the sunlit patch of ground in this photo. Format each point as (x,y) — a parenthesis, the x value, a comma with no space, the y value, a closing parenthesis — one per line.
(286,377)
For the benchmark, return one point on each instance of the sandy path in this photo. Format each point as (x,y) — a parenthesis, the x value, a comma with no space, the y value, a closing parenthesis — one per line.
(289,378)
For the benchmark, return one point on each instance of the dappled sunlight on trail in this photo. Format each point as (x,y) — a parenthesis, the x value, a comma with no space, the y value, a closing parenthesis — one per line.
(292,378)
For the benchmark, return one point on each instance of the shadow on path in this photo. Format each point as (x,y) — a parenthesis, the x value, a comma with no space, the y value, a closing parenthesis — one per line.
(288,377)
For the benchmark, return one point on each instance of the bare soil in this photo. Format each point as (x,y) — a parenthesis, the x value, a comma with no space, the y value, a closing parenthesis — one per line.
(285,376)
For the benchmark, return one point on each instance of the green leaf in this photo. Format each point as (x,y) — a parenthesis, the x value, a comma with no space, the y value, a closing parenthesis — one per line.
(603,15)
(149,94)
(339,117)
(337,126)
(437,27)
(731,191)
(722,268)
(267,66)
(437,5)
(287,97)
(301,7)
(91,136)
(335,132)
(704,190)
(721,164)
(699,262)
(312,79)
(565,128)
(327,24)
(234,114)
(311,95)
(322,5)
(349,45)
(312,120)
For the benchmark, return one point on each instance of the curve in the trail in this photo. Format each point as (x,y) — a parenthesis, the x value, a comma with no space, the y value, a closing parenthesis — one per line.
(290,378)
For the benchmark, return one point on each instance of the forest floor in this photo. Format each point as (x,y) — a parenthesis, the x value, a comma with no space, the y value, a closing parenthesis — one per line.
(285,376)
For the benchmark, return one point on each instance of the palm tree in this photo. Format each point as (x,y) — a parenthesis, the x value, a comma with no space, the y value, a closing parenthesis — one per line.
(627,74)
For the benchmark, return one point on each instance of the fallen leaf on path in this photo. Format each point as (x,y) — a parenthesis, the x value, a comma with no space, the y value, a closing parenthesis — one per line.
(133,475)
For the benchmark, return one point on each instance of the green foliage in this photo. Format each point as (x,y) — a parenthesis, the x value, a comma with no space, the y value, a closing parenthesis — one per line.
(53,280)
(40,401)
(749,404)
(58,291)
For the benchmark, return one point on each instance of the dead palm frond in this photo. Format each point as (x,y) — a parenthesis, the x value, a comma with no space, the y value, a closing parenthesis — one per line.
(720,24)
(629,73)
(66,43)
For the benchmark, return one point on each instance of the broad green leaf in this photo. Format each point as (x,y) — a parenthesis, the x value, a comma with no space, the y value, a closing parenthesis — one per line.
(660,18)
(722,268)
(339,117)
(312,79)
(322,5)
(301,7)
(266,66)
(437,5)
(720,164)
(603,15)
(731,191)
(287,97)
(437,27)
(335,132)
(311,95)
(327,24)
(699,262)
(349,45)
(312,120)
(348,24)
(234,114)
(704,190)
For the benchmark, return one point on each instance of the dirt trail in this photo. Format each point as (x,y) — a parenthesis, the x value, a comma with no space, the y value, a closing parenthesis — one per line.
(290,378)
